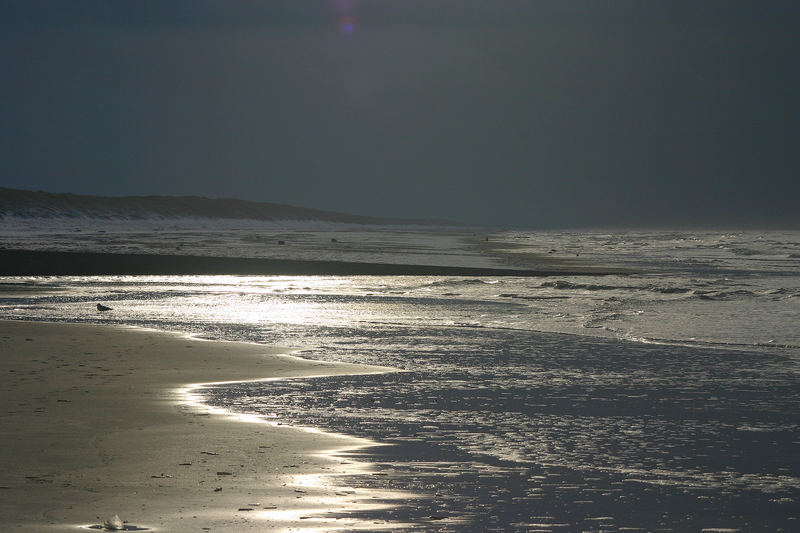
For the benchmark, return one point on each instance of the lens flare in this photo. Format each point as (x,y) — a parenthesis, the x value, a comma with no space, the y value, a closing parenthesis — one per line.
(347,24)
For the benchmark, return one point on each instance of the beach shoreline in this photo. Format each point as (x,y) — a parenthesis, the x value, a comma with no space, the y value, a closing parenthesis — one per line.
(99,420)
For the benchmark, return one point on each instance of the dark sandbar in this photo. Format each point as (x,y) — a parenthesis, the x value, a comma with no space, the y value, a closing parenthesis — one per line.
(53,263)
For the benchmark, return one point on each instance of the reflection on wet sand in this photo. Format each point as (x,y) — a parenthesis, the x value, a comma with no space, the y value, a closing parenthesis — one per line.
(329,501)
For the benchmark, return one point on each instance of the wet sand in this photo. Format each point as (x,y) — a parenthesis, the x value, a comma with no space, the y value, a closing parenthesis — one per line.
(94,423)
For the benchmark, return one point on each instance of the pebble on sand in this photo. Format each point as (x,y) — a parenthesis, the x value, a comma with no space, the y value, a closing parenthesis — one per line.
(113,523)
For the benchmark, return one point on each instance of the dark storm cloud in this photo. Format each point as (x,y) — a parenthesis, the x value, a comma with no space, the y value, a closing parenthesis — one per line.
(260,13)
(158,13)
(533,113)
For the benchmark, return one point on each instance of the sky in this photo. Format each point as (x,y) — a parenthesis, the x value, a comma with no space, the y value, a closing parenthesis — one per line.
(521,113)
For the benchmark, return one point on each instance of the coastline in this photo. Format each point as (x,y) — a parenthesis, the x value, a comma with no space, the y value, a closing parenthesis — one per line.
(97,422)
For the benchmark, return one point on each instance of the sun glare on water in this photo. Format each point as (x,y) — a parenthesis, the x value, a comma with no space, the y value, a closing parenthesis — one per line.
(251,300)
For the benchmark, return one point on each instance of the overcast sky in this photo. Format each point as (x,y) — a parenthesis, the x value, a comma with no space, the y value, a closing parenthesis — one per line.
(529,113)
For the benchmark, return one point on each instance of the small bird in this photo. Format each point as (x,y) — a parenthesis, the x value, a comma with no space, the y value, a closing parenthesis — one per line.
(101,307)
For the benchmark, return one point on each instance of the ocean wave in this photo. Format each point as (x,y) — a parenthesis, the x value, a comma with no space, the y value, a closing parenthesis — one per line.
(712,344)
(748,252)
(725,295)
(766,428)
(783,291)
(459,282)
(568,285)
(529,297)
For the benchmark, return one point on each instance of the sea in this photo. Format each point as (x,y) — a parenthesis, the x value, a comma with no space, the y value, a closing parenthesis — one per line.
(665,397)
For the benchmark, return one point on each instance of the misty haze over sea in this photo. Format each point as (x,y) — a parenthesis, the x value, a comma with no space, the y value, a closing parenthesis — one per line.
(515,113)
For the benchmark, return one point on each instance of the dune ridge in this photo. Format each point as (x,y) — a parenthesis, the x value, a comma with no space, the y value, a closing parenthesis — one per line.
(22,203)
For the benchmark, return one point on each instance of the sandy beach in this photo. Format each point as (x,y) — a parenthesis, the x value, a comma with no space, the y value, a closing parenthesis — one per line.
(96,422)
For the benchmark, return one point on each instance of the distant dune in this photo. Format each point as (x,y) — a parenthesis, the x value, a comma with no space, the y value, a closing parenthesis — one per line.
(20,203)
